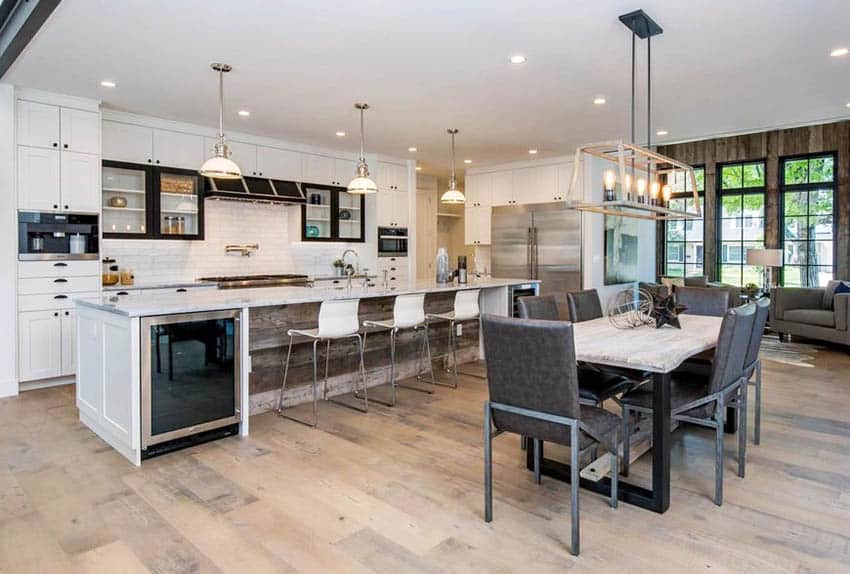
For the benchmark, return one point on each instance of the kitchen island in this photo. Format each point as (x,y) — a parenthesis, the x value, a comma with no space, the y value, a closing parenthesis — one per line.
(234,341)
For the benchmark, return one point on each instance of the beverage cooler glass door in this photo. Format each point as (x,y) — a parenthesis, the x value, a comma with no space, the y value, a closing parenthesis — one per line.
(191,374)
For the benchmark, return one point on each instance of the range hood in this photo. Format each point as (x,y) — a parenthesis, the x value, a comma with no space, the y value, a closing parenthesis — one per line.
(254,190)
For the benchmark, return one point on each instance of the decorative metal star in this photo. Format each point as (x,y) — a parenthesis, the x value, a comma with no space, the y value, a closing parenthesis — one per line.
(666,312)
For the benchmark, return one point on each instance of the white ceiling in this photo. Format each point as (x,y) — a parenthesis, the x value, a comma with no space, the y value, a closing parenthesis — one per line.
(721,66)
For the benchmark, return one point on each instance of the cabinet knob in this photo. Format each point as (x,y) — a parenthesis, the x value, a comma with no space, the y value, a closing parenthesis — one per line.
(157,161)
(55,206)
(150,160)
(67,313)
(60,264)
(55,144)
(66,207)
(122,293)
(65,146)
(181,290)
(56,314)
(261,173)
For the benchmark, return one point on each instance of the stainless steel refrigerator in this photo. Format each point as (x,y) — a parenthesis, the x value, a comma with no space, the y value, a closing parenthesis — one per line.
(538,241)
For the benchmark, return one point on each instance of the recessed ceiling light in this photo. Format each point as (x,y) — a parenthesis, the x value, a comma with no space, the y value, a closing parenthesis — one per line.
(532,151)
(108,84)
(518,59)
(599,101)
(411,149)
(244,113)
(340,134)
(467,161)
(661,133)
(418,168)
(848,104)
(839,52)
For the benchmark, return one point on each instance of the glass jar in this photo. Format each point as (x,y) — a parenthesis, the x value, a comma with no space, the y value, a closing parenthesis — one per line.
(442,265)
(110,274)
(127,277)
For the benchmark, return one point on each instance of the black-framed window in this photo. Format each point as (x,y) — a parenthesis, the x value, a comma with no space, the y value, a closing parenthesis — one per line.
(808,226)
(740,220)
(684,239)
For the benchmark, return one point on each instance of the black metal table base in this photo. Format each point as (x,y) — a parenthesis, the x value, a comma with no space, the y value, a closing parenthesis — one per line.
(658,498)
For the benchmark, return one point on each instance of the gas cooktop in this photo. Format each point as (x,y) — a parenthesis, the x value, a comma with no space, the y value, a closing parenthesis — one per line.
(244,281)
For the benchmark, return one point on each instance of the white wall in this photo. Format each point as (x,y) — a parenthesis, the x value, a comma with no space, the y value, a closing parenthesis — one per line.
(281,249)
(8,245)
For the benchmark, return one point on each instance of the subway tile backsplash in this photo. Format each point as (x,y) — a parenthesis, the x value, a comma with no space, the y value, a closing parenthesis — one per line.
(226,222)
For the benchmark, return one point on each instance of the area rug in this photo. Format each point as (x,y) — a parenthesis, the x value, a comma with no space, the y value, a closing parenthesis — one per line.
(797,354)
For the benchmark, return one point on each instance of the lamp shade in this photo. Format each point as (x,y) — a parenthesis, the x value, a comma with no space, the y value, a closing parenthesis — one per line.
(764,257)
(453,196)
(220,168)
(362,185)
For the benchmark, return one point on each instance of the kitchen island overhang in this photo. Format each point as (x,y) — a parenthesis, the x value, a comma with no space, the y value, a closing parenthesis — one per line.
(115,362)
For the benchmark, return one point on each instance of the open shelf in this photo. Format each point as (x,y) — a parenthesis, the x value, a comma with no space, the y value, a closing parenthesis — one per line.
(108,208)
(121,190)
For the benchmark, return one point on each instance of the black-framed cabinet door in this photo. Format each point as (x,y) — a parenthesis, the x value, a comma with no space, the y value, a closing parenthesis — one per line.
(178,204)
(151,202)
(332,214)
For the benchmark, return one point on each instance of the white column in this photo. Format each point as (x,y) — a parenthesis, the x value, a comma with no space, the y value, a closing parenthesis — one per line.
(8,245)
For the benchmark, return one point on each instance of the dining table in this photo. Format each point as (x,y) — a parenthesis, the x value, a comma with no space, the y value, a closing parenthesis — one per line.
(645,349)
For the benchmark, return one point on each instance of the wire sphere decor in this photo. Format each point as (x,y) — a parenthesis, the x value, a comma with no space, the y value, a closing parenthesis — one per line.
(631,308)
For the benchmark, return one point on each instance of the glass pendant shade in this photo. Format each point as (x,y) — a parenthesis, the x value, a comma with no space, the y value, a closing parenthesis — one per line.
(362,184)
(220,166)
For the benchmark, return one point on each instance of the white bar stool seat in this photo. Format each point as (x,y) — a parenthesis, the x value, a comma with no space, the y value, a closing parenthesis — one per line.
(408,313)
(466,308)
(337,320)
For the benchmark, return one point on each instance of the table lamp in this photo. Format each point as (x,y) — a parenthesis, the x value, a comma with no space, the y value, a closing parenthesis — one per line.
(766,259)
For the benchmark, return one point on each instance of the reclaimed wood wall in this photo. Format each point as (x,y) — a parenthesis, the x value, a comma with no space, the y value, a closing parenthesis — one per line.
(269,343)
(770,146)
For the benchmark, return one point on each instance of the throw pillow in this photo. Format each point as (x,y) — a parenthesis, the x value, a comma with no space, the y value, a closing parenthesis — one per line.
(829,293)
(842,287)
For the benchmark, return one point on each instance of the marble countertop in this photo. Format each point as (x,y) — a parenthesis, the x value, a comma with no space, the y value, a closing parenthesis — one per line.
(143,304)
(142,286)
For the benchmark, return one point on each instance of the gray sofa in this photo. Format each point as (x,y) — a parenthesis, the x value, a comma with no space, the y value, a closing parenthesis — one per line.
(812,312)
(659,290)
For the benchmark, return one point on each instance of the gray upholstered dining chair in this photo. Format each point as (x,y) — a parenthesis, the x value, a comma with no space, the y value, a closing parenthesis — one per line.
(595,386)
(703,401)
(533,383)
(703,300)
(584,305)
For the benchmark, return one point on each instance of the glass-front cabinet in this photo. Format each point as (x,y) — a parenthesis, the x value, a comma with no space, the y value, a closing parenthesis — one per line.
(150,202)
(332,214)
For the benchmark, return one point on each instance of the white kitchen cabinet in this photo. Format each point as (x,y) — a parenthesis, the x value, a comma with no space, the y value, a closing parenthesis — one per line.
(39,179)
(281,164)
(244,154)
(402,208)
(67,321)
(502,188)
(477,189)
(535,184)
(39,345)
(319,169)
(477,224)
(80,131)
(127,142)
(177,149)
(38,124)
(344,171)
(565,176)
(393,209)
(80,182)
(391,176)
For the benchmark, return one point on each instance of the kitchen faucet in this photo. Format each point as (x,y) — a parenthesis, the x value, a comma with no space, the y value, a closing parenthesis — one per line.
(356,266)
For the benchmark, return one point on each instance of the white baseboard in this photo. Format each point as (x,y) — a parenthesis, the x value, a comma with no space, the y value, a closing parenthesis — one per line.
(46,383)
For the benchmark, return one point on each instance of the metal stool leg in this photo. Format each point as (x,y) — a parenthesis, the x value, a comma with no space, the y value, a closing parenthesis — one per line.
(450,354)
(419,365)
(280,409)
(362,376)
(390,403)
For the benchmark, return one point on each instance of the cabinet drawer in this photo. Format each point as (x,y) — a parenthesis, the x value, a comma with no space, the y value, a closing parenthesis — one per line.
(45,302)
(53,269)
(45,285)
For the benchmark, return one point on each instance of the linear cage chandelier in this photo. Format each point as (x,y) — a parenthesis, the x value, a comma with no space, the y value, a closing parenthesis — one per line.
(640,182)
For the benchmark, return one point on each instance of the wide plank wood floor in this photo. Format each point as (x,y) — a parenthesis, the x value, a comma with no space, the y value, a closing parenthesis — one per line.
(400,490)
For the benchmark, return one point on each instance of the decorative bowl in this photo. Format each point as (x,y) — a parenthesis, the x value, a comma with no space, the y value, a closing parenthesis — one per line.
(118,201)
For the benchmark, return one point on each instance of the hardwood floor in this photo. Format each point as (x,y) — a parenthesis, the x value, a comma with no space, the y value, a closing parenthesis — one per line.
(400,490)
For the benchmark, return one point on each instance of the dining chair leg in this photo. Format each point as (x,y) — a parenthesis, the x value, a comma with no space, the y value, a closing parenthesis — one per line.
(574,486)
(718,454)
(626,440)
(757,422)
(742,431)
(488,465)
(537,479)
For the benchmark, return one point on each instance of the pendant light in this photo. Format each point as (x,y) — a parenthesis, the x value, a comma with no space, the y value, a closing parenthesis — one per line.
(453,194)
(220,166)
(362,184)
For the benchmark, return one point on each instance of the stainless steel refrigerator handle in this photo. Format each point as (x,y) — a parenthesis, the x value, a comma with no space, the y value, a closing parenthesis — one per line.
(529,254)
(536,254)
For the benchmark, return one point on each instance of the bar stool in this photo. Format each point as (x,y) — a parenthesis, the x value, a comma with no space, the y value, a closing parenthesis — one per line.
(337,320)
(408,313)
(465,309)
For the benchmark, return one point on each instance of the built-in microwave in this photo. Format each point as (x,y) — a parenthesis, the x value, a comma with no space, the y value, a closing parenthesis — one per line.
(392,242)
(51,236)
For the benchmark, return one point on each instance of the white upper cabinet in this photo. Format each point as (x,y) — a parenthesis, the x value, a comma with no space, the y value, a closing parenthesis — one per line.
(177,149)
(277,163)
(127,142)
(38,124)
(80,131)
(80,177)
(479,189)
(565,177)
(344,171)
(401,208)
(38,179)
(502,188)
(391,176)
(244,154)
(319,169)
